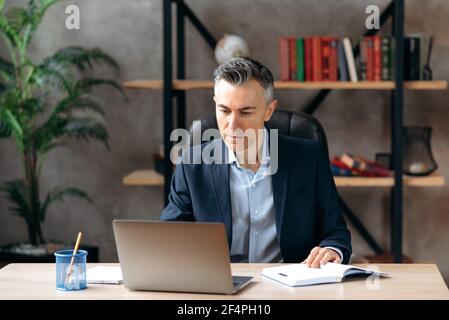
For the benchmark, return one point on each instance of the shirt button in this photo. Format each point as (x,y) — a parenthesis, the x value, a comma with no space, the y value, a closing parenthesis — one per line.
(256,211)
(256,233)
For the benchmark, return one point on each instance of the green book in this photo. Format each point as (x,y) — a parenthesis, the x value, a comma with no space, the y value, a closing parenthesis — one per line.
(300,59)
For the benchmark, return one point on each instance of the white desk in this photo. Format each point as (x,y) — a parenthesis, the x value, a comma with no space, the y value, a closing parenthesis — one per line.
(407,281)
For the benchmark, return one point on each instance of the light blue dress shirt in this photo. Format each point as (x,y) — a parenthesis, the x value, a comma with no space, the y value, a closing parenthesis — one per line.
(254,234)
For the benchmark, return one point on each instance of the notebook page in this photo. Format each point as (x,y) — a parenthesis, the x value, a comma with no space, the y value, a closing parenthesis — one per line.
(301,274)
(346,270)
(336,268)
(101,274)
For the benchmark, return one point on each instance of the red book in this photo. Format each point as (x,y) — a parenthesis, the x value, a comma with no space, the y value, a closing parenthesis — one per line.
(325,57)
(316,59)
(292,58)
(365,168)
(354,172)
(308,59)
(377,52)
(333,60)
(284,59)
(329,58)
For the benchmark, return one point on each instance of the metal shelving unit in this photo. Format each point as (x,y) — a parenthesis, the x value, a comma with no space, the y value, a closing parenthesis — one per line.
(174,88)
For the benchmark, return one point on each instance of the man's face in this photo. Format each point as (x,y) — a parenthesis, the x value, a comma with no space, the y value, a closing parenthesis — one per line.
(241,107)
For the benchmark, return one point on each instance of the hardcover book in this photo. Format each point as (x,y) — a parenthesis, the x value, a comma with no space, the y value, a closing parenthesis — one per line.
(301,275)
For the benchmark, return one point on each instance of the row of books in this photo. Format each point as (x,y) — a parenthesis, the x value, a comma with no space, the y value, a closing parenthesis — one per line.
(349,165)
(332,59)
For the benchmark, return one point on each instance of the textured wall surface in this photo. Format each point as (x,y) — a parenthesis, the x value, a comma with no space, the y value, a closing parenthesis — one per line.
(355,121)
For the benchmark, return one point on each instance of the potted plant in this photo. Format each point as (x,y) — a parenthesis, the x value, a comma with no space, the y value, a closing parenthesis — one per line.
(38,124)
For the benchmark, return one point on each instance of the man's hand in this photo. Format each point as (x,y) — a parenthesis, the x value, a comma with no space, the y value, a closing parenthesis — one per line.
(319,256)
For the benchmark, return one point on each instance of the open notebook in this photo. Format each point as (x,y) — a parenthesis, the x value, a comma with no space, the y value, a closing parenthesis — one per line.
(102,274)
(301,275)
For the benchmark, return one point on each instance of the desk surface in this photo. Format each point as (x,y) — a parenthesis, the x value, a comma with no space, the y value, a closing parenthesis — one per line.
(407,281)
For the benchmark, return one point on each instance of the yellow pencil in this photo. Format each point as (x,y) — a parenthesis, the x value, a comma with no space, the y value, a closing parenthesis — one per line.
(78,239)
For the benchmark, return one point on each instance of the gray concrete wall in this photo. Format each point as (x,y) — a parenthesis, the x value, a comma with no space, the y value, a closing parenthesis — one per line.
(355,121)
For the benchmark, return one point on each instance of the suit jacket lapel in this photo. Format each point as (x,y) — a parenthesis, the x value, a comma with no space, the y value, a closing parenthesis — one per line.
(279,181)
(220,178)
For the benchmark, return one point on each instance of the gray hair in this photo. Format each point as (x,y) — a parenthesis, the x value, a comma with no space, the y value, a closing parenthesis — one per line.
(238,71)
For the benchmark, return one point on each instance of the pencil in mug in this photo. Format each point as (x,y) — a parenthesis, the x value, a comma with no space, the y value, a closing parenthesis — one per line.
(69,273)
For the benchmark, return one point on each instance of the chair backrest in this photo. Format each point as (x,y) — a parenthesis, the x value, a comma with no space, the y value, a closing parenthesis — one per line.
(289,123)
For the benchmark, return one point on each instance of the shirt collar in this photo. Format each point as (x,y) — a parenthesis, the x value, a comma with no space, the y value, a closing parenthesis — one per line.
(265,153)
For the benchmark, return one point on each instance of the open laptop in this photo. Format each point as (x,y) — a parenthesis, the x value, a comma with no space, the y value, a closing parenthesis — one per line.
(175,256)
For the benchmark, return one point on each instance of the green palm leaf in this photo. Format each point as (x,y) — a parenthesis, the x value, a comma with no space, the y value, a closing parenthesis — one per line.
(44,137)
(9,121)
(88,103)
(84,102)
(83,59)
(61,122)
(16,193)
(6,66)
(55,74)
(87,128)
(11,34)
(14,124)
(17,18)
(33,106)
(5,129)
(36,10)
(58,194)
(87,84)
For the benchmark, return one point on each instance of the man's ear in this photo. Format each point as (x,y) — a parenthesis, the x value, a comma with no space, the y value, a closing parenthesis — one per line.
(270,109)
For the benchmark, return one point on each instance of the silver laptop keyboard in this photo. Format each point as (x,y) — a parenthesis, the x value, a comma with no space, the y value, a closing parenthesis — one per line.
(237,281)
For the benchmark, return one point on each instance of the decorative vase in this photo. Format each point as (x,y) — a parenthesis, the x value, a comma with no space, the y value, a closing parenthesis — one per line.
(417,153)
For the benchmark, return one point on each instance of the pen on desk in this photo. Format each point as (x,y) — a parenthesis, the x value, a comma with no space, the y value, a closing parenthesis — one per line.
(78,239)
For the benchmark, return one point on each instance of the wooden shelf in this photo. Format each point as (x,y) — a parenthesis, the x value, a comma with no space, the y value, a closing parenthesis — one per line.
(143,178)
(152,178)
(285,85)
(433,180)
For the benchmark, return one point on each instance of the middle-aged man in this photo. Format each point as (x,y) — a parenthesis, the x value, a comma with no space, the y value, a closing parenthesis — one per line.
(289,214)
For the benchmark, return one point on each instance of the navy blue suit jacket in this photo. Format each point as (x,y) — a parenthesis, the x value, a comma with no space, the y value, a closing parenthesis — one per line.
(305,198)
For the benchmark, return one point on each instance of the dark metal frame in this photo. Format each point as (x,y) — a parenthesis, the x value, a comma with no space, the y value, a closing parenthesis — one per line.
(395,10)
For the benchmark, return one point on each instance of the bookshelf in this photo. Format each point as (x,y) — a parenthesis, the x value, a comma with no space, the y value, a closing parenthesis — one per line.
(148,177)
(174,86)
